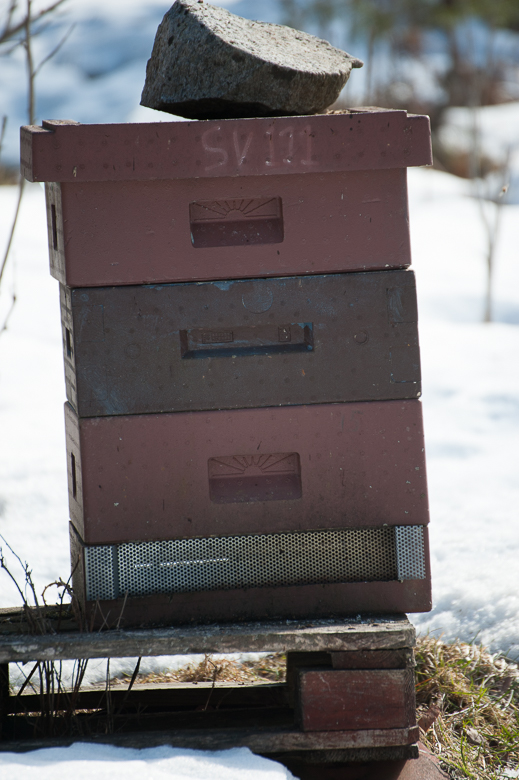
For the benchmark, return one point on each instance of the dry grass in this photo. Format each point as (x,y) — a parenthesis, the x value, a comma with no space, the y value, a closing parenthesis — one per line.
(468,703)
(269,668)
(9,175)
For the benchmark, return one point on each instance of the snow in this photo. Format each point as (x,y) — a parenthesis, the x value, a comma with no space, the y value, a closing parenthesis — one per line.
(106,762)
(490,131)
(471,410)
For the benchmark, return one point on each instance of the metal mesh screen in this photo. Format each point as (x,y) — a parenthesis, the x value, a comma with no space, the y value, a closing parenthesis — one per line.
(255,561)
(252,561)
(99,572)
(410,552)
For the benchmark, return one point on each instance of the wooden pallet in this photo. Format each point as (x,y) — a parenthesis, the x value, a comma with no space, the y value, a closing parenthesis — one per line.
(348,696)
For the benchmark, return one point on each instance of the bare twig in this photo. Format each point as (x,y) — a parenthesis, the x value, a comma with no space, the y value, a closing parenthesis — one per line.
(27,27)
(122,610)
(216,672)
(109,707)
(10,31)
(59,584)
(8,315)
(492,224)
(27,680)
(130,686)
(4,566)
(55,50)
(21,187)
(30,62)
(2,132)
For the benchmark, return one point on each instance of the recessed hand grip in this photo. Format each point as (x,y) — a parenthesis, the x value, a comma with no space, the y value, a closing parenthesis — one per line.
(246,340)
(249,478)
(236,222)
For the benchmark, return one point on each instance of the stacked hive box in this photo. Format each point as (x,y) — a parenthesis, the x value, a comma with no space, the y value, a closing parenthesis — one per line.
(242,365)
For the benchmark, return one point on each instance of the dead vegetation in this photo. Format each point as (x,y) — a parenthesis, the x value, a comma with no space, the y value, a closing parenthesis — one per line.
(468,701)
(269,668)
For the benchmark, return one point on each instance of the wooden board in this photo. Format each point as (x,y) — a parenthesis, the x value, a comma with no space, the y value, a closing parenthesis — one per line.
(373,659)
(402,658)
(342,699)
(260,740)
(162,697)
(371,632)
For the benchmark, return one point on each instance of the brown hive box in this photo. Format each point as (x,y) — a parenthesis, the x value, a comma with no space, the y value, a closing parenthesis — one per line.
(239,344)
(236,198)
(292,468)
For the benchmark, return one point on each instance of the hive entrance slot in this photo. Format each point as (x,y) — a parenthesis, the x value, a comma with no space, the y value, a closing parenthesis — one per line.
(242,341)
(54,225)
(74,476)
(68,340)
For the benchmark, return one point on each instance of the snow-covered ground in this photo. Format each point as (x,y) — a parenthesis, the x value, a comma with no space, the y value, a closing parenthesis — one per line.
(105,762)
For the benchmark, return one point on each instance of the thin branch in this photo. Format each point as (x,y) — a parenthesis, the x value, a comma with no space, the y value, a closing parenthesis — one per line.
(9,32)
(8,20)
(130,686)
(13,578)
(8,51)
(30,63)
(55,50)
(21,187)
(59,584)
(2,132)
(122,610)
(28,680)
(8,315)
(41,624)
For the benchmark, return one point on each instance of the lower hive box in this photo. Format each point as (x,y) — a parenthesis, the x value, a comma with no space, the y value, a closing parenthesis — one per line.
(328,573)
(245,514)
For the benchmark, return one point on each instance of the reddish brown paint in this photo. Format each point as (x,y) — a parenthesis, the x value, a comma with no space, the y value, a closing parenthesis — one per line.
(139,232)
(373,659)
(300,601)
(133,204)
(340,699)
(363,140)
(144,477)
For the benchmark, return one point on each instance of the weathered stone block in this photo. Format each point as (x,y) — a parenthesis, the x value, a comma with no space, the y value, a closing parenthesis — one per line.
(207,63)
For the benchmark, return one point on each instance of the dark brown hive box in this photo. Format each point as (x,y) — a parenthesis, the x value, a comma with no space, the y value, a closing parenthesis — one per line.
(292,468)
(239,344)
(187,201)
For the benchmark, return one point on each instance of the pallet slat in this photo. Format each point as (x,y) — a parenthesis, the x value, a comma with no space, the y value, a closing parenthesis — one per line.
(373,633)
